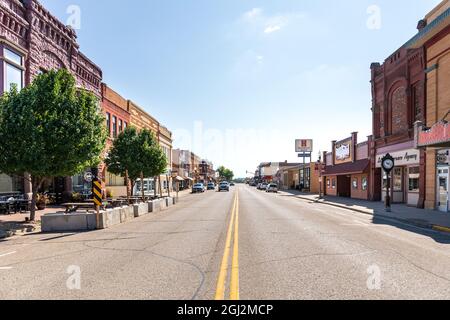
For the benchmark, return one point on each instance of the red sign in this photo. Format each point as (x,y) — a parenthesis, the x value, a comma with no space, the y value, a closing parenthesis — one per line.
(438,134)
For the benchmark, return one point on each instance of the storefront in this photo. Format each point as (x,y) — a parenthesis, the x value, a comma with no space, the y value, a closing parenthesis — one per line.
(405,187)
(347,170)
(436,140)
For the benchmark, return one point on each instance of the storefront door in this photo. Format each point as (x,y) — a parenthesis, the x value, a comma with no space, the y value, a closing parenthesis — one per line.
(443,188)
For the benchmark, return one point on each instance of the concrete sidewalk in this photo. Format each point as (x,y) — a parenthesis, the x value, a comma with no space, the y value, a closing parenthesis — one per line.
(418,217)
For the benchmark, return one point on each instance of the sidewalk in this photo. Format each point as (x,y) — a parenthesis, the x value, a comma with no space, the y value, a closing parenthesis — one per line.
(429,219)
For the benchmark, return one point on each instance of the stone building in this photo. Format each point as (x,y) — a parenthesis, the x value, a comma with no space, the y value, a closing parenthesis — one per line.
(32,41)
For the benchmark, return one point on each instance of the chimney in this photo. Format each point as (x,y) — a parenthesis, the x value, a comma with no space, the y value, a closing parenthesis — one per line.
(333,152)
(354,145)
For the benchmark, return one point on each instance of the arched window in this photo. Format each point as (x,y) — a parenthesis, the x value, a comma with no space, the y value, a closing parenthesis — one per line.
(398,115)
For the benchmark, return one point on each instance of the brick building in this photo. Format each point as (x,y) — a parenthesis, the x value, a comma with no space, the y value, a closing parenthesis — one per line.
(32,41)
(398,98)
(115,109)
(347,169)
(433,132)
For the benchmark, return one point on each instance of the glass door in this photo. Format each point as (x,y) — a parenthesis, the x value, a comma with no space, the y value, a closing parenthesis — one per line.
(443,196)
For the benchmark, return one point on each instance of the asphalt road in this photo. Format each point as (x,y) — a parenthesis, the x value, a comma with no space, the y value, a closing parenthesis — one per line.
(245,244)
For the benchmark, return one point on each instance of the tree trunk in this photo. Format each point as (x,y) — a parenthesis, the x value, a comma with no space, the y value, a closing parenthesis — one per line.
(133,183)
(36,183)
(127,181)
(160,187)
(154,187)
(142,187)
(168,185)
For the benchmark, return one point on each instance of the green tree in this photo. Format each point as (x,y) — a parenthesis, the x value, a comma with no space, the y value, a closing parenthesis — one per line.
(225,174)
(136,155)
(50,129)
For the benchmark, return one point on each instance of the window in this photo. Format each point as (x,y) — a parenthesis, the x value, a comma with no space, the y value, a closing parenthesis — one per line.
(364,183)
(355,183)
(397,179)
(120,125)
(125,125)
(108,123)
(413,177)
(328,183)
(114,181)
(333,183)
(13,70)
(114,126)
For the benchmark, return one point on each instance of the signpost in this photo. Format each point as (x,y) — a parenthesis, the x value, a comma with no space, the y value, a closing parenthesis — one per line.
(388,164)
(304,148)
(97,193)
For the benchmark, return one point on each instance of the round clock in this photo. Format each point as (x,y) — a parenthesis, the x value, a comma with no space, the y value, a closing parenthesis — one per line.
(388,163)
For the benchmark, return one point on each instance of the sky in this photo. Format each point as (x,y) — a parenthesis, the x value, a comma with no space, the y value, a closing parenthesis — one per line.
(237,81)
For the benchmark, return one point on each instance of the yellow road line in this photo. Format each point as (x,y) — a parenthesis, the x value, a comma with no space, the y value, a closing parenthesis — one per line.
(234,284)
(220,291)
(442,229)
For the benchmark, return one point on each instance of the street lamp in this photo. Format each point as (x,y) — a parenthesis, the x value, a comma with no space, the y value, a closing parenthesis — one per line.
(388,164)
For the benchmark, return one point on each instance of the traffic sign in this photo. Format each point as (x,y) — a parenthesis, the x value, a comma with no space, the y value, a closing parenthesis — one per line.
(97,192)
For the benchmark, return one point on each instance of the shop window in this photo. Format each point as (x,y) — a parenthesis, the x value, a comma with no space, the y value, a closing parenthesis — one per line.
(364,183)
(114,181)
(333,183)
(413,177)
(328,183)
(384,181)
(397,179)
(355,183)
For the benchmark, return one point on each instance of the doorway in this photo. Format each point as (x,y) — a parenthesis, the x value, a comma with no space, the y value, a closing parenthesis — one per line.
(442,189)
(344,186)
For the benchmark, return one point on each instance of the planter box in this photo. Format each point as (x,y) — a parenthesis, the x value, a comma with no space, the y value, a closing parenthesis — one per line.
(60,222)
(109,218)
(154,206)
(126,214)
(140,209)
(169,202)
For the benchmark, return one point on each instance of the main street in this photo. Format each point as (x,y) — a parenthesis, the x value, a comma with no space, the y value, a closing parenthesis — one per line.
(244,244)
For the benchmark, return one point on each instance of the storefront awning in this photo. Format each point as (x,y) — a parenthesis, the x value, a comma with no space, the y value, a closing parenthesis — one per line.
(178,178)
(349,168)
(187,178)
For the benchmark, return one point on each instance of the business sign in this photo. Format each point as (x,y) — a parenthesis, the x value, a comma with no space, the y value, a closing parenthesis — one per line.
(88,177)
(402,158)
(343,151)
(437,135)
(304,145)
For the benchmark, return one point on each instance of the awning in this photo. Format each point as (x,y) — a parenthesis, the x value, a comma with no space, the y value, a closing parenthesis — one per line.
(438,136)
(356,167)
(178,178)
(187,178)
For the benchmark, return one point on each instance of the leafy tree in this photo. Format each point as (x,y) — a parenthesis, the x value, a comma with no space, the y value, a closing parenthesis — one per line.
(225,174)
(136,155)
(50,129)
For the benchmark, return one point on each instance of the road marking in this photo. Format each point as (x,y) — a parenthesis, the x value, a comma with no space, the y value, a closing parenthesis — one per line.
(5,268)
(234,284)
(7,254)
(221,281)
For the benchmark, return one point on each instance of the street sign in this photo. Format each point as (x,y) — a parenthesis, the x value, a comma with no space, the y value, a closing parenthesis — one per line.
(88,177)
(304,145)
(97,192)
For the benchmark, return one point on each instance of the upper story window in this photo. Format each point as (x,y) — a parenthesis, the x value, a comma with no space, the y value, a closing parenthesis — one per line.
(120,125)
(13,70)
(114,127)
(108,123)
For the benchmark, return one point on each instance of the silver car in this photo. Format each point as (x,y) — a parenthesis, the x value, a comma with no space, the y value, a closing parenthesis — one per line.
(272,187)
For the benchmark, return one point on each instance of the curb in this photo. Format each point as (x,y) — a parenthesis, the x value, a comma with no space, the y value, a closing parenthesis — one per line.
(415,224)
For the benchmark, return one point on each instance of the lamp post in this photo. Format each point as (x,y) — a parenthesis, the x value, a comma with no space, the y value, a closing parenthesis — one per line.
(388,164)
(320,175)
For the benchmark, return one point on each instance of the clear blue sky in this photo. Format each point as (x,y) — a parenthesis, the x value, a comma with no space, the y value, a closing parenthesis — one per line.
(237,81)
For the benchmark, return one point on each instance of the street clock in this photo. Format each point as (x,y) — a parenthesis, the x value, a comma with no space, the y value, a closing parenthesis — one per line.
(388,163)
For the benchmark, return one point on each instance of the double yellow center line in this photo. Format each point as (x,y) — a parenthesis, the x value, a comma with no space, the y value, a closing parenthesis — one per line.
(233,229)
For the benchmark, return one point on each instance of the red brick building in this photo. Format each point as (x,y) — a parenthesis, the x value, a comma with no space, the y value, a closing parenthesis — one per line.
(33,41)
(398,91)
(117,117)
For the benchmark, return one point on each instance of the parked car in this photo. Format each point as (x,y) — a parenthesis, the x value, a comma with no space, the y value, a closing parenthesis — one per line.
(198,188)
(211,186)
(224,186)
(232,184)
(272,187)
(263,186)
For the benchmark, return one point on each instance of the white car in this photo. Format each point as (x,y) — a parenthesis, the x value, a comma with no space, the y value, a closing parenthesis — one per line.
(272,187)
